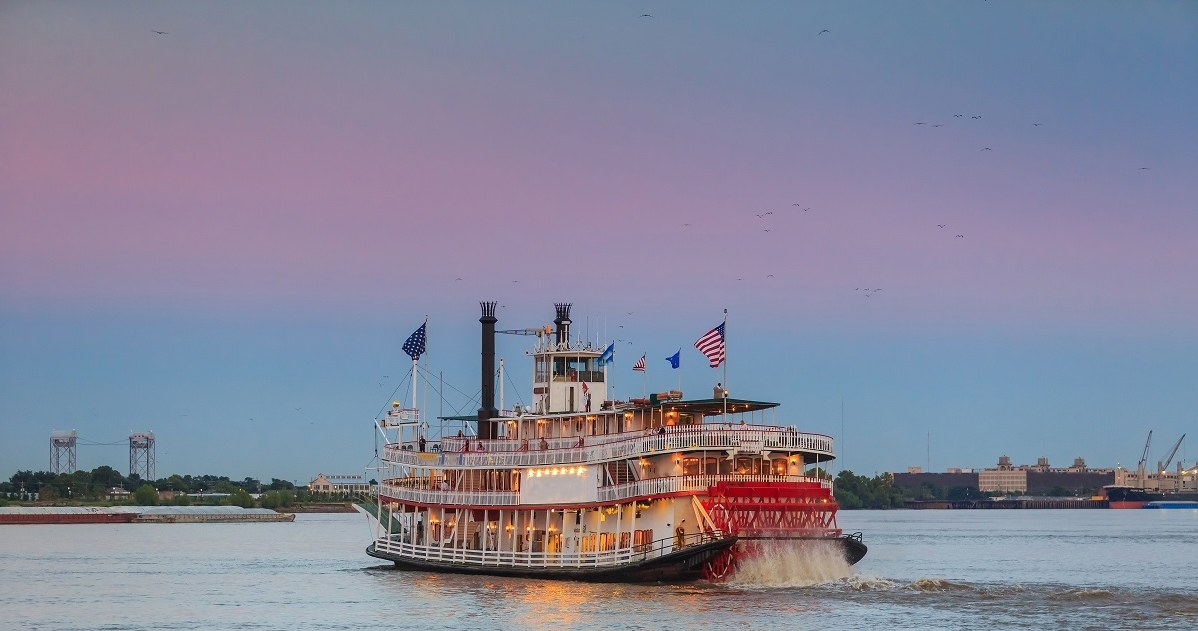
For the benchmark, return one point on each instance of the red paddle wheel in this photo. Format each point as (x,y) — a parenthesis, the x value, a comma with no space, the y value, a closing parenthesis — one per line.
(756,511)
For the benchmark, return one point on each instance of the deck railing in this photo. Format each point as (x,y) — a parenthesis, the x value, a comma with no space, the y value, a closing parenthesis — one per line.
(691,483)
(562,559)
(453,498)
(514,453)
(403,490)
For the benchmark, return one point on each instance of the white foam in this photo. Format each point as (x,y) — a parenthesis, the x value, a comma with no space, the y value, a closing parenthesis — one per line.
(790,564)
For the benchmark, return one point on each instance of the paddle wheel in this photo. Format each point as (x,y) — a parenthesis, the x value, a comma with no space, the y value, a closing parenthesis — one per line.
(767,511)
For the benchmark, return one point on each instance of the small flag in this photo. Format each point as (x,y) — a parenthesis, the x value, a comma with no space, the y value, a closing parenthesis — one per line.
(415,346)
(675,359)
(640,364)
(712,345)
(608,355)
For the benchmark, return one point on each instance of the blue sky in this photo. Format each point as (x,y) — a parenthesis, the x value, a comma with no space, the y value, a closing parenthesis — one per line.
(224,234)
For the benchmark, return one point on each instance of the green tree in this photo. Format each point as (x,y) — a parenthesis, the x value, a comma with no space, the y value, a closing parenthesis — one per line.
(177,483)
(146,495)
(241,497)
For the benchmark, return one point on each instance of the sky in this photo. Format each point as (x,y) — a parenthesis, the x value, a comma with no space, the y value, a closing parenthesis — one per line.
(943,231)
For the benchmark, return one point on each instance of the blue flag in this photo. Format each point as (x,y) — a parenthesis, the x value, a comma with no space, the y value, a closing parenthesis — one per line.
(675,359)
(416,345)
(608,355)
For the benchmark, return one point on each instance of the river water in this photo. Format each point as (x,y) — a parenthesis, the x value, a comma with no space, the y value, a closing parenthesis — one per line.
(1014,569)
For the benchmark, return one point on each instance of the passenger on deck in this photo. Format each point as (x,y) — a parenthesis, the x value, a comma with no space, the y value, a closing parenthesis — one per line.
(544,444)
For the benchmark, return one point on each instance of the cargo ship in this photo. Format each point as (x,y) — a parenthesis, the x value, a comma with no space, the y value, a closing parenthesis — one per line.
(660,488)
(1120,496)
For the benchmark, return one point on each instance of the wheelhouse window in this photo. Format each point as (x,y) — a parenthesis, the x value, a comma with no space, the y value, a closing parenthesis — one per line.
(577,369)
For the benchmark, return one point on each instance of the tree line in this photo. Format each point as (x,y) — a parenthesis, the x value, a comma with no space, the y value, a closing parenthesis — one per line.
(98,484)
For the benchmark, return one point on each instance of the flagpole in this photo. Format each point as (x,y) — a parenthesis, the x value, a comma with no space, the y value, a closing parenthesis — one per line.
(723,394)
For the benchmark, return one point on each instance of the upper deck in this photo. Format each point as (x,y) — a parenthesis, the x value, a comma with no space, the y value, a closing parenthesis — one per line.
(734,438)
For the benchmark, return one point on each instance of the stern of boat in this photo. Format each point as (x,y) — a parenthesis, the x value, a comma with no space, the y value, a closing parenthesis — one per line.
(765,515)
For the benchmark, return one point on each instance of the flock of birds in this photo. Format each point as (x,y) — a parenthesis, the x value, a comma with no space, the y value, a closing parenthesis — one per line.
(766,215)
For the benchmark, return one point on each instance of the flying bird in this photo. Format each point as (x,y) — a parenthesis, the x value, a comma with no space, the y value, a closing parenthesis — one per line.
(921,123)
(824,31)
(1037,124)
(987,149)
(940,224)
(938,125)
(646,15)
(960,236)
(975,117)
(458,278)
(161,32)
(958,115)
(769,275)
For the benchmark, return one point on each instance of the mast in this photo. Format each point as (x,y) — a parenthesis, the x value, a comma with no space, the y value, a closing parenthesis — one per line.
(726,388)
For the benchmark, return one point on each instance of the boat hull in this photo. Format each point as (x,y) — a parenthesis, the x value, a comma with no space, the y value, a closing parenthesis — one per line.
(680,566)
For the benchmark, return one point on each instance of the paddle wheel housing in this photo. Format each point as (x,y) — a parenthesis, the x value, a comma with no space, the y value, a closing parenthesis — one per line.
(755,511)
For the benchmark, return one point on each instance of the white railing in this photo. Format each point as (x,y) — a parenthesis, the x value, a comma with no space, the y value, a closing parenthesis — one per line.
(508,558)
(513,453)
(448,497)
(397,490)
(691,483)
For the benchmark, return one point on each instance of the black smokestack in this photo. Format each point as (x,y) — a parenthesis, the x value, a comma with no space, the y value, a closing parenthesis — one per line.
(486,427)
(562,321)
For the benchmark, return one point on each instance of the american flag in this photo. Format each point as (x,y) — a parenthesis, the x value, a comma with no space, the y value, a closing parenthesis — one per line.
(640,364)
(415,346)
(712,345)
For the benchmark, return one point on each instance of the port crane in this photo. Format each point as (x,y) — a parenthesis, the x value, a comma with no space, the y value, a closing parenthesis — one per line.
(1169,459)
(1140,471)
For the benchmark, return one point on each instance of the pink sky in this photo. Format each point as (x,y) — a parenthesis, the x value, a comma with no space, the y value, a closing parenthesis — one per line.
(353,161)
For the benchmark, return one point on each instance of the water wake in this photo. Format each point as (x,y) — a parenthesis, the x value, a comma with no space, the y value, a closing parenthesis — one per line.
(790,564)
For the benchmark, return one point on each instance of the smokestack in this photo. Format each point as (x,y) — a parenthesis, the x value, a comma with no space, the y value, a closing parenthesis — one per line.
(562,321)
(486,427)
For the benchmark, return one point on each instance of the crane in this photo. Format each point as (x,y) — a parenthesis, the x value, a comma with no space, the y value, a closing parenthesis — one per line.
(1141,474)
(1172,452)
(1147,444)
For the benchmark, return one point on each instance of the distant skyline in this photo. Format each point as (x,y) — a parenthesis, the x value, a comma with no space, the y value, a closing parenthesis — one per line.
(973,221)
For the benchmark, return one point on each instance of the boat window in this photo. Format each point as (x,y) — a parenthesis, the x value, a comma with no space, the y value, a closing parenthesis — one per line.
(577,369)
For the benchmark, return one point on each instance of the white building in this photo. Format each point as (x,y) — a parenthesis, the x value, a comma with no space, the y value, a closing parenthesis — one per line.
(334,483)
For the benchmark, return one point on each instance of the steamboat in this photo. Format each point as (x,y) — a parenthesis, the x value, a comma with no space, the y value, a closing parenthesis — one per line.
(659,488)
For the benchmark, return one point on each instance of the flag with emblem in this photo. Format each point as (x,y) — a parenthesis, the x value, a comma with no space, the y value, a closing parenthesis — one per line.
(675,359)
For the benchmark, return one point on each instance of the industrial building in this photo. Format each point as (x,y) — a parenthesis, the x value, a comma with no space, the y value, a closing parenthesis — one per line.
(1008,479)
